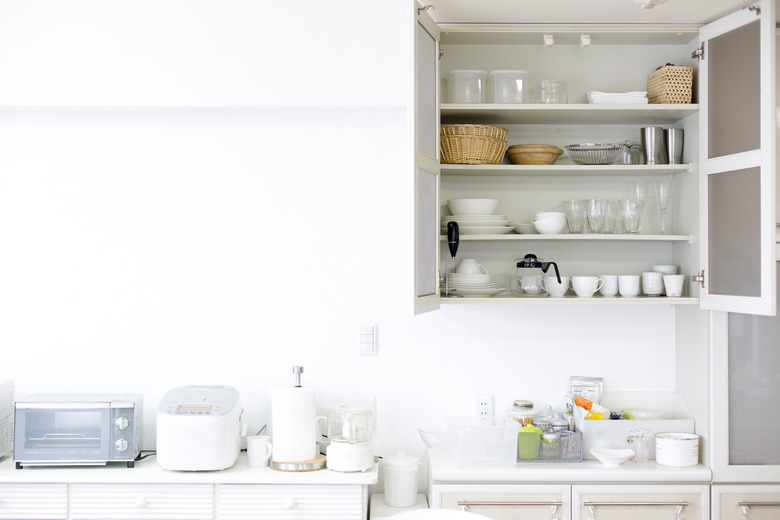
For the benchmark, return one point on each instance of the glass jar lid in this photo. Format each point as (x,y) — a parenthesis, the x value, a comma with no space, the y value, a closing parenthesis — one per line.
(523,404)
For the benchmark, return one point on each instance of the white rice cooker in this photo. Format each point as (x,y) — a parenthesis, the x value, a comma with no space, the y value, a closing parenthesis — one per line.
(199,428)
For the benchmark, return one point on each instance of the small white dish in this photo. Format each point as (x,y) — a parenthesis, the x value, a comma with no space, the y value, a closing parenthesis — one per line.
(612,456)
(525,228)
(485,230)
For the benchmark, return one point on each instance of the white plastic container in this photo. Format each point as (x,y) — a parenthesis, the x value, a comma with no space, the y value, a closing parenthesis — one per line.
(677,449)
(466,86)
(483,442)
(507,86)
(400,476)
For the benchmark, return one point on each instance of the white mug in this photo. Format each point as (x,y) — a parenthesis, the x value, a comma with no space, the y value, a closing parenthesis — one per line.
(653,283)
(555,289)
(585,286)
(470,266)
(258,450)
(673,283)
(610,287)
(628,285)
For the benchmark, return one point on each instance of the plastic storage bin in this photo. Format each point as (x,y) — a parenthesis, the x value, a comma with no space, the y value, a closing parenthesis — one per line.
(466,86)
(676,416)
(488,442)
(507,86)
(562,446)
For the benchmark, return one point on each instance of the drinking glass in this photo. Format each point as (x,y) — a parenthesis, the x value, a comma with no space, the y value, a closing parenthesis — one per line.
(663,191)
(630,213)
(575,215)
(610,216)
(596,211)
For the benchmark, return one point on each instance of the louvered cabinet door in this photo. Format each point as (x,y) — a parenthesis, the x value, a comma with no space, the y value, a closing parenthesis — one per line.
(142,502)
(299,502)
(34,501)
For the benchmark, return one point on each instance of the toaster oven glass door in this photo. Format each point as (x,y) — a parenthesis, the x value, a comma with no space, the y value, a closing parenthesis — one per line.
(67,435)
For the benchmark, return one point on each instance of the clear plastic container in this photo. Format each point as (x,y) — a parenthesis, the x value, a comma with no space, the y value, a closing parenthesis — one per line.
(507,86)
(484,442)
(466,86)
(550,91)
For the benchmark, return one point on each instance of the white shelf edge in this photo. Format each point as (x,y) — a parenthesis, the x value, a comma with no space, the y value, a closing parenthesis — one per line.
(596,300)
(563,169)
(576,237)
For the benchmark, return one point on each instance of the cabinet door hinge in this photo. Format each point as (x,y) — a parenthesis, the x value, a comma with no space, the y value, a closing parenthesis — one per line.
(441,52)
(424,8)
(756,9)
(698,278)
(698,53)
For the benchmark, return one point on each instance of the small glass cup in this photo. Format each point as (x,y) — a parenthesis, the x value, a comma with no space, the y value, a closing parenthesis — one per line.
(596,211)
(630,213)
(610,216)
(575,215)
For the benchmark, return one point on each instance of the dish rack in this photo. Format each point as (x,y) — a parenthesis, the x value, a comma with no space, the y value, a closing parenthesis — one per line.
(473,144)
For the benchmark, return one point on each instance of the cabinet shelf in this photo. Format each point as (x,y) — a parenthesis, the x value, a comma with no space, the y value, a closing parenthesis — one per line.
(562,170)
(576,237)
(590,114)
(595,300)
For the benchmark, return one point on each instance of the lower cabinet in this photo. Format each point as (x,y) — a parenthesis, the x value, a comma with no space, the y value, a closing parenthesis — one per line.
(509,502)
(34,501)
(575,502)
(255,501)
(142,501)
(745,502)
(641,502)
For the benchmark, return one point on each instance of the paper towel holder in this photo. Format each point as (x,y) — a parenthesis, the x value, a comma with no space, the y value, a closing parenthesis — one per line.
(297,371)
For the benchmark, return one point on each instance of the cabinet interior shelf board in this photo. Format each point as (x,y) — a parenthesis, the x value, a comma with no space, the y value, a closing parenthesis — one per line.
(571,113)
(573,237)
(595,300)
(562,170)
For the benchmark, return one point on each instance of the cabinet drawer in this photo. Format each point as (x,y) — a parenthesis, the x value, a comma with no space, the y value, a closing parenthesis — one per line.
(641,502)
(741,502)
(142,501)
(34,501)
(253,502)
(509,502)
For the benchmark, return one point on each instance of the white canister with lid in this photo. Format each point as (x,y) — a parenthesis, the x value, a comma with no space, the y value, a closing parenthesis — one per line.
(677,449)
(400,476)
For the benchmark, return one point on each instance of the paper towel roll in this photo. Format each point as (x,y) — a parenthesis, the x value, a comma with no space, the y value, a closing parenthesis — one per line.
(293,420)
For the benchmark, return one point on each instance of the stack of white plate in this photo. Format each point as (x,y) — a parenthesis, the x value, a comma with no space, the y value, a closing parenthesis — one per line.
(471,285)
(479,224)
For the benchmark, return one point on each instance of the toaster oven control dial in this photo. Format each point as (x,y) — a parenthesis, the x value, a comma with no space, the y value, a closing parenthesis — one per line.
(121,445)
(121,422)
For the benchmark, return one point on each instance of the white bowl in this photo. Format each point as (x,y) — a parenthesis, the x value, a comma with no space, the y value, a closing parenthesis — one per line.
(460,207)
(550,215)
(612,456)
(525,228)
(549,226)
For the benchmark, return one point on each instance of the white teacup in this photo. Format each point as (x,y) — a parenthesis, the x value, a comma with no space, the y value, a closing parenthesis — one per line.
(258,450)
(674,284)
(470,266)
(555,289)
(610,287)
(628,285)
(653,283)
(586,286)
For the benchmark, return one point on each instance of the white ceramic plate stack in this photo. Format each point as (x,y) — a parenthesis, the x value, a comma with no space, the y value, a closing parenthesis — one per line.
(472,285)
(475,217)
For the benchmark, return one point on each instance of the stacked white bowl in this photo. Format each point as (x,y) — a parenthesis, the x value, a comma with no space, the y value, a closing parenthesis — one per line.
(471,279)
(475,217)
(550,222)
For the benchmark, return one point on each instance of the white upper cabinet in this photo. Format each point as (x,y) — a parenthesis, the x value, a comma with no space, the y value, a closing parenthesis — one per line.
(737,161)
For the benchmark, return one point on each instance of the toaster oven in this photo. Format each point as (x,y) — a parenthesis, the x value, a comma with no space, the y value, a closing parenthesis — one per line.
(77,429)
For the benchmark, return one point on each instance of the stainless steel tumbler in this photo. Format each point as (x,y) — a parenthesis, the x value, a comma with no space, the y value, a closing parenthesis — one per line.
(673,140)
(653,145)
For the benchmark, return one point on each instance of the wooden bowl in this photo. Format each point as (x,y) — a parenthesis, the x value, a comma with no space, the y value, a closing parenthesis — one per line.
(534,153)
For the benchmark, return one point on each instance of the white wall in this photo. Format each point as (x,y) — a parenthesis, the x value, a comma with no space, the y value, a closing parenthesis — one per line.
(146,249)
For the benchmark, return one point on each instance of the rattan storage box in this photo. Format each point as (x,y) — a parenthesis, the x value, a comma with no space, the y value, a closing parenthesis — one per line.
(670,84)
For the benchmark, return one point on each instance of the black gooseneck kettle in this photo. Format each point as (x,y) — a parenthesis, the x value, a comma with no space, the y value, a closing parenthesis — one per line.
(530,260)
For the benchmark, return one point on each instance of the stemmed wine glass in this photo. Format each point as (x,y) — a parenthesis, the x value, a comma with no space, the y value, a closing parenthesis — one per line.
(663,189)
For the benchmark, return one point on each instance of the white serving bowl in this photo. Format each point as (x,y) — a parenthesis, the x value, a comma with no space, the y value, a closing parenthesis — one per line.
(460,207)
(550,215)
(549,226)
(612,456)
(525,228)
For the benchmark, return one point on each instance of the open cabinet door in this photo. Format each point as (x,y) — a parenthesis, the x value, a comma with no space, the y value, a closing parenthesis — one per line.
(426,163)
(737,160)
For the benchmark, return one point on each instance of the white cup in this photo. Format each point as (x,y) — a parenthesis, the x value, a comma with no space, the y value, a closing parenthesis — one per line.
(529,284)
(653,283)
(628,285)
(470,266)
(665,269)
(673,283)
(610,287)
(258,450)
(585,286)
(551,285)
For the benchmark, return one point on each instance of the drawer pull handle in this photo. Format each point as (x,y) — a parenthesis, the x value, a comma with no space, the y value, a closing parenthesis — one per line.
(593,505)
(554,505)
(745,506)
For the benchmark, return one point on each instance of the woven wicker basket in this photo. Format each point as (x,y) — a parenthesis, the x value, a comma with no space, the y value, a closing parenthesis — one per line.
(495,132)
(471,149)
(670,84)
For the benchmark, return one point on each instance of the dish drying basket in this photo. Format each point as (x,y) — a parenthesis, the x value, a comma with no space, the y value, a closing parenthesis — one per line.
(670,84)
(472,144)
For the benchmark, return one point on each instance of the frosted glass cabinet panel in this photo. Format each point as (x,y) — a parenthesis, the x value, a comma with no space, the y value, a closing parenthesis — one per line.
(427,103)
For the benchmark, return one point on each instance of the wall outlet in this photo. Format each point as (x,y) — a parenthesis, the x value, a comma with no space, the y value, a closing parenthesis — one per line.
(484,403)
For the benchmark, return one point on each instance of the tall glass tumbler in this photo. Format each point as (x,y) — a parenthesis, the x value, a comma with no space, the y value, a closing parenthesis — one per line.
(575,215)
(596,210)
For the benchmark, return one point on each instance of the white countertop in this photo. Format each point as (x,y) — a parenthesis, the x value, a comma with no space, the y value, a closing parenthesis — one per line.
(149,471)
(586,471)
